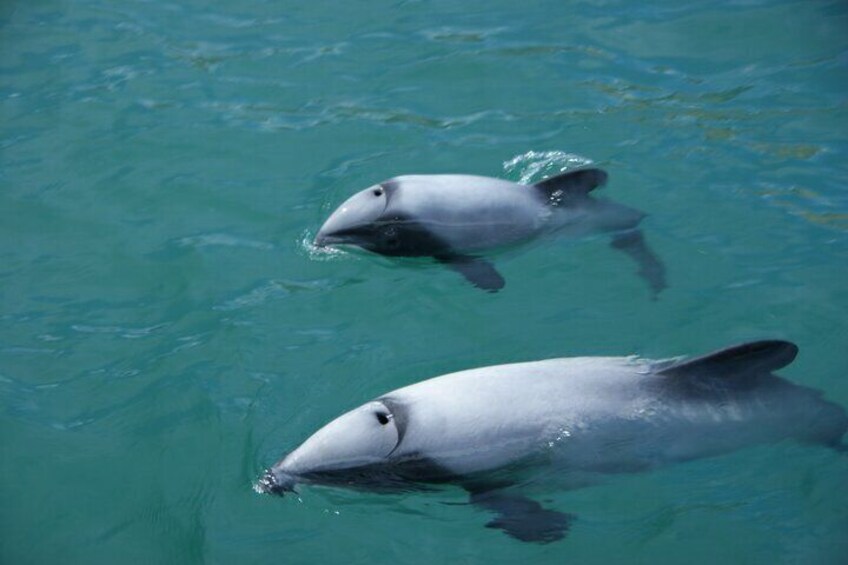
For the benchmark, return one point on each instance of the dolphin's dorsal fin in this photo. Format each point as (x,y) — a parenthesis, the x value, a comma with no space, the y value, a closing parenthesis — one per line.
(746,359)
(570,185)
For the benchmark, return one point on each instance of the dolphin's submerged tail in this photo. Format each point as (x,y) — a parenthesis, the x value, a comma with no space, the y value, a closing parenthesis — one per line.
(571,190)
(744,373)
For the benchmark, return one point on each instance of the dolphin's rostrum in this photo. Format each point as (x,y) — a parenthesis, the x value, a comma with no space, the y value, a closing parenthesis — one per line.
(455,218)
(502,432)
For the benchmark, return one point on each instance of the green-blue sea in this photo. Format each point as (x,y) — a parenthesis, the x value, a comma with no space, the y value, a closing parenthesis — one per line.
(168,330)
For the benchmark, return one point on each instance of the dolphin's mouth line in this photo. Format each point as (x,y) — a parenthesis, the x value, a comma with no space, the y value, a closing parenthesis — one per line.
(327,240)
(356,235)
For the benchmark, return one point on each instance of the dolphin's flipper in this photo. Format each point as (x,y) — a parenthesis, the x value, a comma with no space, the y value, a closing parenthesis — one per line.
(522,518)
(651,268)
(477,271)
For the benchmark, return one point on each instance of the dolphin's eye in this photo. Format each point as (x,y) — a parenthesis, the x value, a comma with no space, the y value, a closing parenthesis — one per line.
(378,191)
(383,418)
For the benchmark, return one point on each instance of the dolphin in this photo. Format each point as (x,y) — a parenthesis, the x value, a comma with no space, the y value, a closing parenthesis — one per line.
(455,218)
(505,431)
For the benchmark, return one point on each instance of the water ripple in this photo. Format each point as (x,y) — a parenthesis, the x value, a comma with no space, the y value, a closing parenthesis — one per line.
(271,290)
(535,165)
(124,332)
(222,240)
(459,35)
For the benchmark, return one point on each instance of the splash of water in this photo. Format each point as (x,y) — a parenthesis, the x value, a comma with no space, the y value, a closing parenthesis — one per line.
(536,165)
(314,252)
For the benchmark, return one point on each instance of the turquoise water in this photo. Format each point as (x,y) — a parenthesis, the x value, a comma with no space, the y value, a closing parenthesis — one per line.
(168,332)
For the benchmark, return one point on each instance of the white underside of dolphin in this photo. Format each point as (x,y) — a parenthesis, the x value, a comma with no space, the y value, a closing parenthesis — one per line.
(456,218)
(494,430)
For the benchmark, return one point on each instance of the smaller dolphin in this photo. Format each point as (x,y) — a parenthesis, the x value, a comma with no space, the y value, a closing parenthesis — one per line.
(502,431)
(454,218)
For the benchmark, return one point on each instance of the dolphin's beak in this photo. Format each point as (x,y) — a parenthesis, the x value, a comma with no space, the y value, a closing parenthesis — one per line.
(326,237)
(275,483)
(353,222)
(321,239)
(329,235)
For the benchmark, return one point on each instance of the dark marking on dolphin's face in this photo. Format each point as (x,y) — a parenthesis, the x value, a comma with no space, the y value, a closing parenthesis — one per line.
(356,443)
(367,220)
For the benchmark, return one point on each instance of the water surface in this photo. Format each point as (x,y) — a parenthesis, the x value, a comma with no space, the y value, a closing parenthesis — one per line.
(167,331)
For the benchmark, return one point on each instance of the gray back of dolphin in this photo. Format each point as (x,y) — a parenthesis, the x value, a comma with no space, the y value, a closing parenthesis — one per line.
(494,430)
(646,413)
(453,218)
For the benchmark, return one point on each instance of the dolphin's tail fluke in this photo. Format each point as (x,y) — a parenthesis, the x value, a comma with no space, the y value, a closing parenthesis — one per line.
(651,268)
(840,448)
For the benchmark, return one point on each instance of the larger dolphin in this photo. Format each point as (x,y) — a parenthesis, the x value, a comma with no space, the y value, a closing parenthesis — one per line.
(497,431)
(455,218)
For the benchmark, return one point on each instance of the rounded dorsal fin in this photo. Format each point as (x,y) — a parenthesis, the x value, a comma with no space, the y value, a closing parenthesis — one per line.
(570,185)
(753,358)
